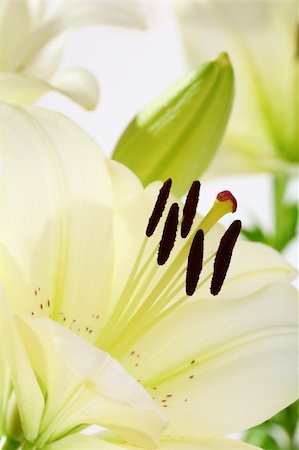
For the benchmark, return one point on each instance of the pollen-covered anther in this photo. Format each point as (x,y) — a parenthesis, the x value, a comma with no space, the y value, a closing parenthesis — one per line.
(195,260)
(189,210)
(159,208)
(227,196)
(223,256)
(169,234)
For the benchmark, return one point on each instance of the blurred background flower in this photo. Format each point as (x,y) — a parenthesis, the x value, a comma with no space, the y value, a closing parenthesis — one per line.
(32,38)
(261,37)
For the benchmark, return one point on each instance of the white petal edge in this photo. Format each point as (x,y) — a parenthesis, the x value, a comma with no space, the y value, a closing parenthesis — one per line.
(25,384)
(68,15)
(77,84)
(84,442)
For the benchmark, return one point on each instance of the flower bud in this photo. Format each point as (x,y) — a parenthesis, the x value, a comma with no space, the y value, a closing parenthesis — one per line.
(177,134)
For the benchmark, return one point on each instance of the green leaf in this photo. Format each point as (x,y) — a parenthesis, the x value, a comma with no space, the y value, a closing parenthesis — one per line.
(255,234)
(278,433)
(286,214)
(177,134)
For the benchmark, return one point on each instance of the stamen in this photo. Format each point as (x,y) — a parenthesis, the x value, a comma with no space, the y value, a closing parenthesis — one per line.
(223,256)
(158,208)
(195,260)
(169,234)
(190,208)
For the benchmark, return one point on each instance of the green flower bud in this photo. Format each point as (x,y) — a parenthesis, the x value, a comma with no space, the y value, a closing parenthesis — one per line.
(177,134)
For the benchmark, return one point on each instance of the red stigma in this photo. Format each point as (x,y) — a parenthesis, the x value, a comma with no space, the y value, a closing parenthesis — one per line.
(227,195)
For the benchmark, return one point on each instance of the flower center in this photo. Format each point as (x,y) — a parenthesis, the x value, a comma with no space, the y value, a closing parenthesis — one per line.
(149,296)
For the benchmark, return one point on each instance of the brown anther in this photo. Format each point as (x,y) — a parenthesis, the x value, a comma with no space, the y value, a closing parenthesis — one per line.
(169,234)
(189,210)
(195,260)
(158,208)
(223,256)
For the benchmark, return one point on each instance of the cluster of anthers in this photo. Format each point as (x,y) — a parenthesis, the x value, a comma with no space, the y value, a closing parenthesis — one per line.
(195,257)
(149,296)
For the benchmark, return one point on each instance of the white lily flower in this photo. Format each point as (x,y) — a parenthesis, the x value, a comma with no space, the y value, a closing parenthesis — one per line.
(30,56)
(73,236)
(262,40)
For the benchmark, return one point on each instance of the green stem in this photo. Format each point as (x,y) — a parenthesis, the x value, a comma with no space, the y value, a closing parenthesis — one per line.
(285,214)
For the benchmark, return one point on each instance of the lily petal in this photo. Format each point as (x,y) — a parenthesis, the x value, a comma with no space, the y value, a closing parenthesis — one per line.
(5,389)
(77,84)
(233,366)
(84,385)
(23,378)
(105,12)
(58,223)
(81,441)
(29,58)
(13,16)
(66,16)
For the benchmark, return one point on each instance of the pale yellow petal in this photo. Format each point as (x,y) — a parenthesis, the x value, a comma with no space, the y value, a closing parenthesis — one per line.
(56,209)
(77,84)
(21,89)
(83,442)
(69,15)
(222,365)
(84,385)
(79,441)
(25,383)
(5,388)
(15,27)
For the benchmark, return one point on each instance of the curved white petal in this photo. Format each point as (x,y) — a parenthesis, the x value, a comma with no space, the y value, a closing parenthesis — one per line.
(13,16)
(37,9)
(68,15)
(84,385)
(80,441)
(77,84)
(25,384)
(222,365)
(45,62)
(21,89)
(5,388)
(56,216)
(202,444)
